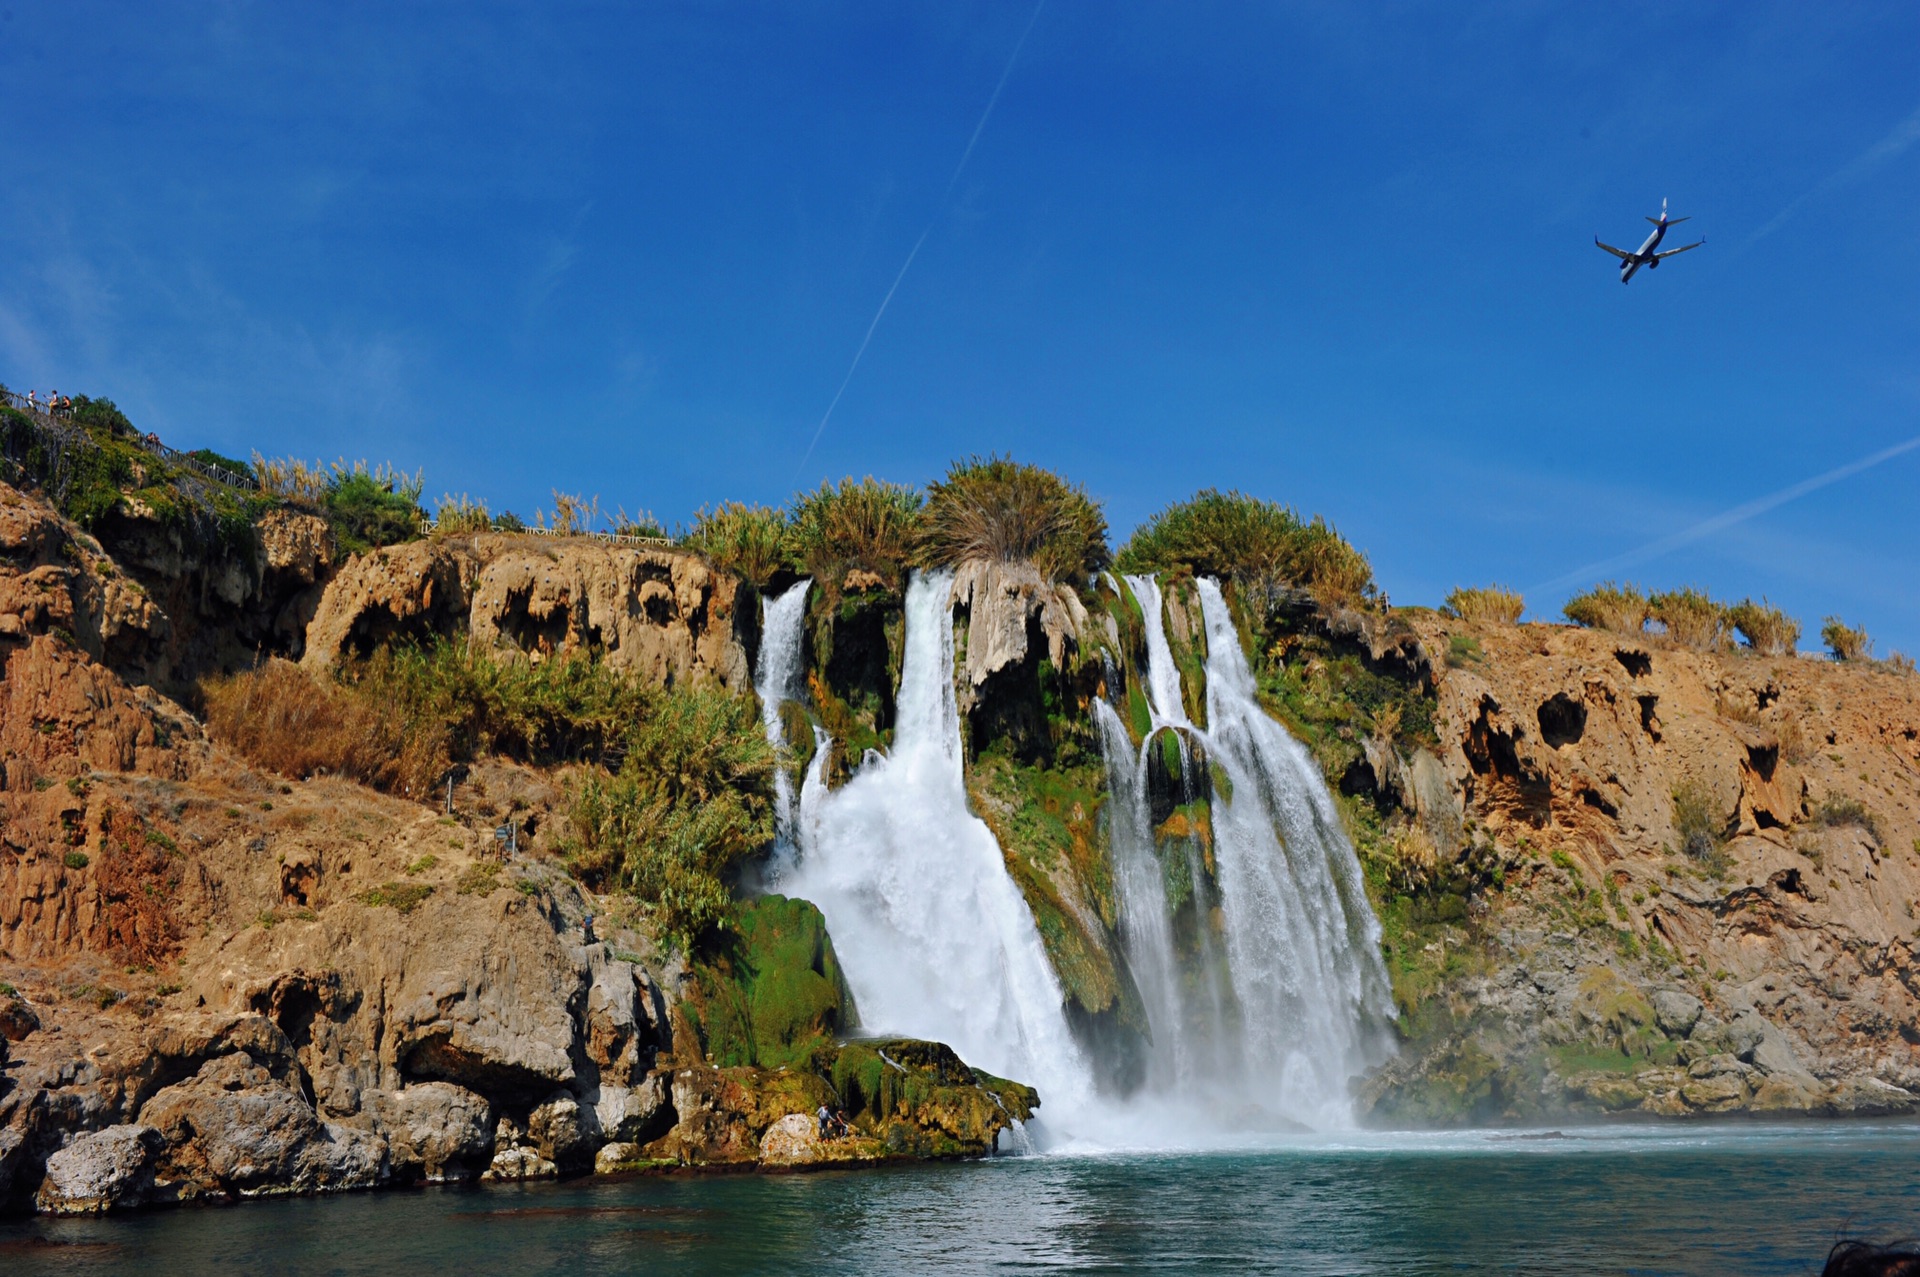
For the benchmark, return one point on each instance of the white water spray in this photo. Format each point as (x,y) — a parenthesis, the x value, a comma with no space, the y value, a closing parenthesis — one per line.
(776,678)
(934,937)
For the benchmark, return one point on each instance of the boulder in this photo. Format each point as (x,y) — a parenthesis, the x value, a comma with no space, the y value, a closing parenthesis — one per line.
(434,1130)
(100,1170)
(1676,1012)
(234,1130)
(794,1140)
(635,1114)
(1869,1097)
(562,1132)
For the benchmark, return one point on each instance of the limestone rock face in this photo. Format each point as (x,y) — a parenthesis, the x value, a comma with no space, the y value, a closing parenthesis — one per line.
(101,1170)
(660,613)
(1008,605)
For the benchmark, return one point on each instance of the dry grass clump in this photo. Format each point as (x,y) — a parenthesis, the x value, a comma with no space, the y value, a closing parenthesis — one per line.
(1620,609)
(1488,605)
(456,515)
(572,515)
(1412,858)
(1845,642)
(749,540)
(1900,663)
(291,478)
(1690,618)
(1766,629)
(1699,826)
(868,525)
(285,719)
(1261,545)
(1839,813)
(995,508)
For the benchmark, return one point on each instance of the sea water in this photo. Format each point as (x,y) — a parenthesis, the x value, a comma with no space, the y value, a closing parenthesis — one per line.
(1689,1199)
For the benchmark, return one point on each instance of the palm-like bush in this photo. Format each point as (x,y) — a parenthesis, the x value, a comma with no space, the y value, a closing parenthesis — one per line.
(750,540)
(864,525)
(995,508)
(1619,608)
(1259,544)
(1489,605)
(1690,618)
(1767,629)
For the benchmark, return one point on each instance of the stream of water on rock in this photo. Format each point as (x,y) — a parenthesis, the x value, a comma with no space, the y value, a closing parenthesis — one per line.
(776,679)
(934,937)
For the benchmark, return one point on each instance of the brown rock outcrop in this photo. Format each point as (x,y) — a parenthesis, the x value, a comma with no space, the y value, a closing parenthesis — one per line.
(660,613)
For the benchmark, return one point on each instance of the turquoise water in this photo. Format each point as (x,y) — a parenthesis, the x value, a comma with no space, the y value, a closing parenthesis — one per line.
(1720,1200)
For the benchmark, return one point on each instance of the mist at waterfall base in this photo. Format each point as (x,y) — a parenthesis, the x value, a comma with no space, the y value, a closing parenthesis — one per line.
(937,941)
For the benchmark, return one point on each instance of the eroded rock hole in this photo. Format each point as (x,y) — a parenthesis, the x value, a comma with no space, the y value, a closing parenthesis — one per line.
(1636,664)
(1563,720)
(1650,721)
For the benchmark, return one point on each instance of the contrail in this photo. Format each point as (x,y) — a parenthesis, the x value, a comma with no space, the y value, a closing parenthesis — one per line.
(965,155)
(1904,135)
(1727,519)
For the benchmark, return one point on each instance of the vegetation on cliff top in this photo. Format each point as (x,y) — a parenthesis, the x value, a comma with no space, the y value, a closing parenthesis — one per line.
(994,508)
(1261,546)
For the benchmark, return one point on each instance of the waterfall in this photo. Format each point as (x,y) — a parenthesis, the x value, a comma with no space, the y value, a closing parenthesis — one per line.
(1146,926)
(934,937)
(1309,992)
(776,679)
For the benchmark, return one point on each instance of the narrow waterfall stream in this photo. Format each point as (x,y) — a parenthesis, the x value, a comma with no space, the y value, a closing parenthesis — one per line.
(935,938)
(776,678)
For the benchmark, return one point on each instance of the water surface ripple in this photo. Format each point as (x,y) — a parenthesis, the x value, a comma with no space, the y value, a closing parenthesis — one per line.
(1720,1200)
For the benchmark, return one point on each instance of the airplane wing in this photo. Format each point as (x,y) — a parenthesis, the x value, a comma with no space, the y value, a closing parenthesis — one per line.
(1622,255)
(1683,248)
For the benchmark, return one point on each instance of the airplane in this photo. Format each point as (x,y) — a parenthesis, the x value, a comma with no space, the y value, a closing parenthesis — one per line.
(1646,256)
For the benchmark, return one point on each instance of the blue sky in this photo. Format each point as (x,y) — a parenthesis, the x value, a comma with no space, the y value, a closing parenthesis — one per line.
(1338,255)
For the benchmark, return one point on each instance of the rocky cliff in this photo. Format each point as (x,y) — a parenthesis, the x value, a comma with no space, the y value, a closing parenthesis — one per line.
(218,983)
(1697,871)
(1616,874)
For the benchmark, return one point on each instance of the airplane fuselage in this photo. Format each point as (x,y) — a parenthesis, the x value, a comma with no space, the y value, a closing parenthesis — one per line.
(1645,256)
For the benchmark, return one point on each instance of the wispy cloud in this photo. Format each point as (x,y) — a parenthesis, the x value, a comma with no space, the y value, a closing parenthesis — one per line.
(1726,519)
(1890,147)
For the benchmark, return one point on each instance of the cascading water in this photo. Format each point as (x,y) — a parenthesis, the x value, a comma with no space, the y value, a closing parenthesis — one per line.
(1302,940)
(1308,989)
(776,678)
(935,939)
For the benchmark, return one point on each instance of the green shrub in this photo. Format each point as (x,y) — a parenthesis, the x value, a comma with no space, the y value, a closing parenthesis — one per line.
(1621,609)
(1260,545)
(995,508)
(372,508)
(866,526)
(402,896)
(1846,644)
(748,540)
(1766,629)
(1690,618)
(690,802)
(457,515)
(1837,813)
(75,860)
(1489,605)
